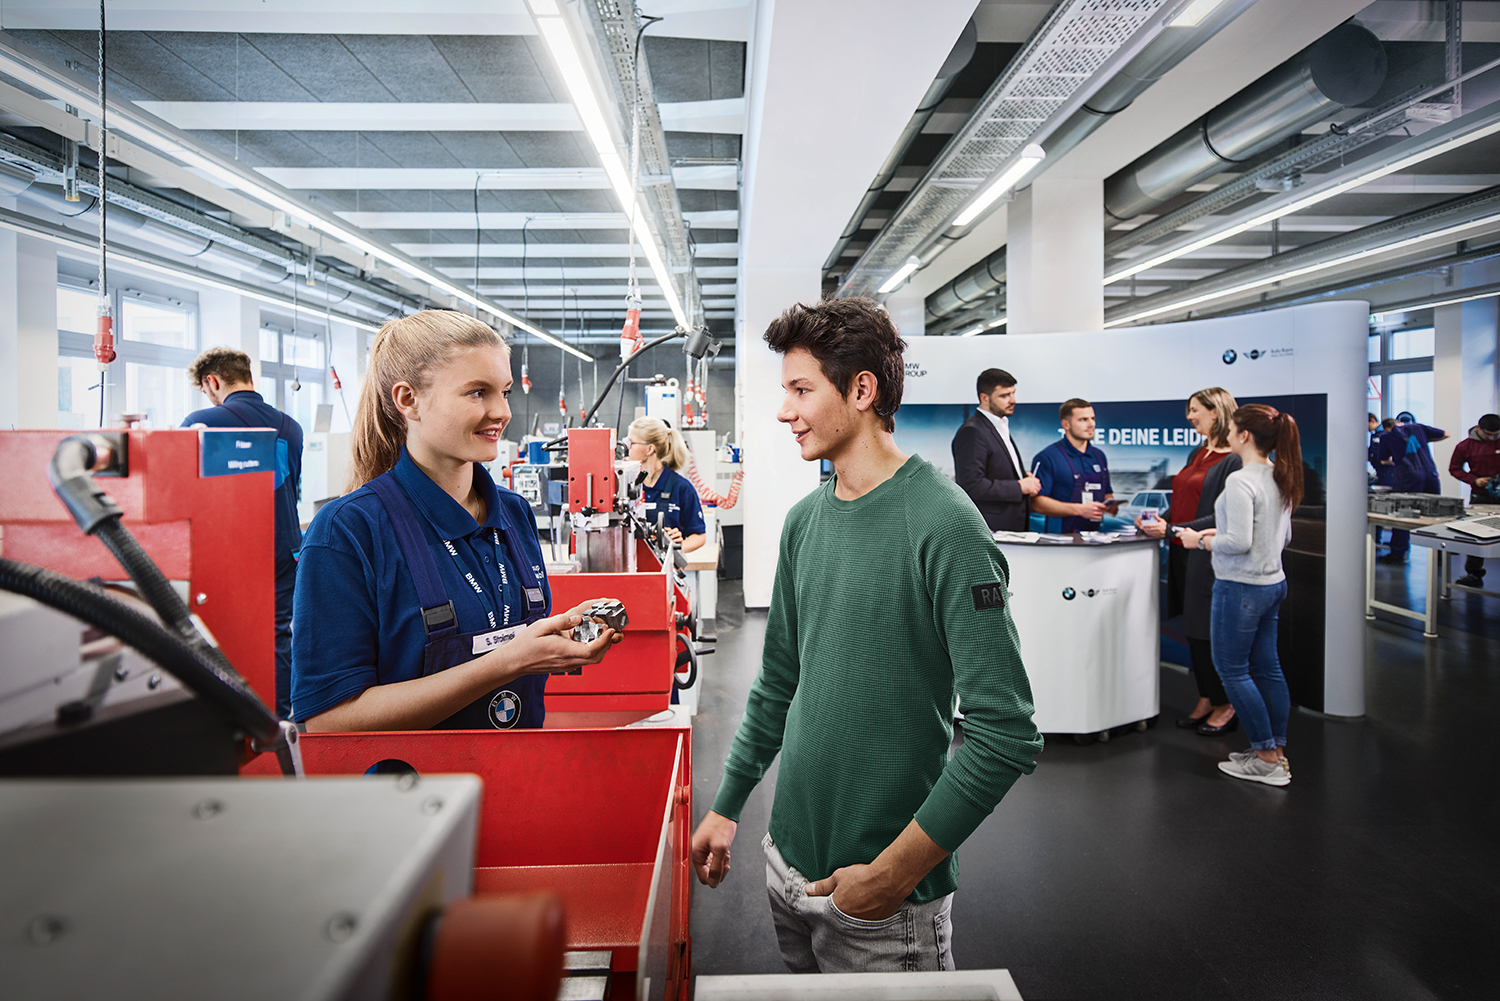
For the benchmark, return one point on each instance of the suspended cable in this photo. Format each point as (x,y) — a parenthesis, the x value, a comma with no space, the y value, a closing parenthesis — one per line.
(104,334)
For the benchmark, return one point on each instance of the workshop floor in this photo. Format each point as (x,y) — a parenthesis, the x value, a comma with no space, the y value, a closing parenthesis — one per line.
(1133,869)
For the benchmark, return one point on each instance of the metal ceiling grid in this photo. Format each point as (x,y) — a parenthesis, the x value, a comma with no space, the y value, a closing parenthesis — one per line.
(1067,49)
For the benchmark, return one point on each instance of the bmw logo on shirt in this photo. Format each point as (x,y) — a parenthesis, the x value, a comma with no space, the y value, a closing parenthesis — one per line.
(505,710)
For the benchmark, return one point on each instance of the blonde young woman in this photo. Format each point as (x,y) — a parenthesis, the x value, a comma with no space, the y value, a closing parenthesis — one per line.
(422,597)
(1190,572)
(661,452)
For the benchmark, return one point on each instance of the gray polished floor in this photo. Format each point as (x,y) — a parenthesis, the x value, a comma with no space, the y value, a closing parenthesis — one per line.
(1133,869)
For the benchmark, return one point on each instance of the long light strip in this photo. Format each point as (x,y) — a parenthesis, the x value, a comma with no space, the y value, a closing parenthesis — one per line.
(998,321)
(1193,13)
(1450,301)
(183,272)
(899,275)
(559,41)
(1031,155)
(1305,202)
(129,121)
(1281,276)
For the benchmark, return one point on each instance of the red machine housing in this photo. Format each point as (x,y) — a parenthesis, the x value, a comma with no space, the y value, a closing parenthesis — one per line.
(591,469)
(602,818)
(215,532)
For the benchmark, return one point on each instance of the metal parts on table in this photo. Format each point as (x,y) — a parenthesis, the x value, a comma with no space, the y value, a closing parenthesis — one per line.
(1397,505)
(600,616)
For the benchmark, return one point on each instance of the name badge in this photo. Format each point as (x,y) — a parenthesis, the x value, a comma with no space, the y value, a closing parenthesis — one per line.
(485,642)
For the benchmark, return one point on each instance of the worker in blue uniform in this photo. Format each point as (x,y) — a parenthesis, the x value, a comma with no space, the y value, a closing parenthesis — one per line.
(666,493)
(1075,493)
(422,595)
(224,376)
(1406,447)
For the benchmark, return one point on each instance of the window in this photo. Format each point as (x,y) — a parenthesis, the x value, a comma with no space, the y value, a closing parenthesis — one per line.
(156,338)
(1401,372)
(290,359)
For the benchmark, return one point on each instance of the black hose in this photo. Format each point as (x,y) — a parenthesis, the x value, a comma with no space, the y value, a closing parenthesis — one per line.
(691,656)
(71,473)
(89,603)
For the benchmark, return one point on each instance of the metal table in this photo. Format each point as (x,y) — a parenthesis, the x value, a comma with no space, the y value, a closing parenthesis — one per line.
(1426,532)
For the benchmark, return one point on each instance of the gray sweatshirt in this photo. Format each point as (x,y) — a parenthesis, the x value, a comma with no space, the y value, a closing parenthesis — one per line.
(1253,528)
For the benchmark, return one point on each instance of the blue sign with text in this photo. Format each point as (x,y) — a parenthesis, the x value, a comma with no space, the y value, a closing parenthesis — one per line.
(228,451)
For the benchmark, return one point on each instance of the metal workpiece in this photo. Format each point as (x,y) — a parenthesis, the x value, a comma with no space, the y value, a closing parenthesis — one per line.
(1342,69)
(227,888)
(601,615)
(1415,505)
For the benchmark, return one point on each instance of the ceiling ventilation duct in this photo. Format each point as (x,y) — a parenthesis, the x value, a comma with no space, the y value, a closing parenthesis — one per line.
(1342,69)
(963,51)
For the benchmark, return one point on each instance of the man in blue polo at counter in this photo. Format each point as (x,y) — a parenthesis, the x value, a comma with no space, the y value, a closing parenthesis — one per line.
(891,598)
(223,375)
(1075,475)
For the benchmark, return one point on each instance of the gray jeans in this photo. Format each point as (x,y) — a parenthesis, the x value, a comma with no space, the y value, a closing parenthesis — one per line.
(817,937)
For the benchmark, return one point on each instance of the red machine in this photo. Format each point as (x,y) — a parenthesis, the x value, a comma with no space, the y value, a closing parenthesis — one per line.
(215,532)
(602,818)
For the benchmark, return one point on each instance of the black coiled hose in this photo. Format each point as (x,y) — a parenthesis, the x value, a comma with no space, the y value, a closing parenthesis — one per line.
(89,603)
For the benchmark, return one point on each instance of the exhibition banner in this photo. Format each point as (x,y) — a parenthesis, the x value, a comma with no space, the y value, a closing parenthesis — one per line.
(1309,361)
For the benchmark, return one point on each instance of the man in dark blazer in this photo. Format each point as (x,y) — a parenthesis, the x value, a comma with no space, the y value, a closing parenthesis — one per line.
(986,463)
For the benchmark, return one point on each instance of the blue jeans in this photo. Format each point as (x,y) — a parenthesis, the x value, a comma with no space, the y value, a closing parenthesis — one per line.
(1242,628)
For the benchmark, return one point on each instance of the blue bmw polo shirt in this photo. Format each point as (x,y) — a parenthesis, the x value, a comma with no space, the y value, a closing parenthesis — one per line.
(1059,467)
(357,622)
(675,497)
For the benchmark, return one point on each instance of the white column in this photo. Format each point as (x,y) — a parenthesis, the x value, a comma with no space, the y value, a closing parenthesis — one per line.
(1055,257)
(28,332)
(805,171)
(908,309)
(1465,383)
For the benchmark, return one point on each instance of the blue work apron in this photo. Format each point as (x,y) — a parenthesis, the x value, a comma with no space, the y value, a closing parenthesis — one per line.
(517,704)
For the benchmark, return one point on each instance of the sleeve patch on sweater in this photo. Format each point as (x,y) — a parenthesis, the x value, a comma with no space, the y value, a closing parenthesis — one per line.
(988,596)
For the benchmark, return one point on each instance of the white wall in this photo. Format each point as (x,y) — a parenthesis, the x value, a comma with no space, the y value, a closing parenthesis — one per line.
(28,332)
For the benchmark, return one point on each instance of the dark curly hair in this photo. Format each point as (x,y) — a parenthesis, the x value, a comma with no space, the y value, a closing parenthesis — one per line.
(847,337)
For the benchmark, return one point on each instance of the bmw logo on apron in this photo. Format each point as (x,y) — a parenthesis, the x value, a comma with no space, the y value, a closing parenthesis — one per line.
(505,710)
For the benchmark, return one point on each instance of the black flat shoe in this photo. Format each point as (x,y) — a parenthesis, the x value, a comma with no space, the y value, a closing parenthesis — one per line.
(1193,722)
(1213,731)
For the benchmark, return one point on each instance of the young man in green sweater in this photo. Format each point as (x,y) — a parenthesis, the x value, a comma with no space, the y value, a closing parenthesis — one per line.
(889,601)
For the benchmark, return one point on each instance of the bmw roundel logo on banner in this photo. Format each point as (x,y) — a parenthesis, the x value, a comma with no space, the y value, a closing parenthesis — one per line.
(1069,594)
(1229,356)
(505,710)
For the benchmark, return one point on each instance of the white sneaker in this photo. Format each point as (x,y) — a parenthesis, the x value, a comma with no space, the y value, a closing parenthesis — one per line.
(1286,763)
(1253,769)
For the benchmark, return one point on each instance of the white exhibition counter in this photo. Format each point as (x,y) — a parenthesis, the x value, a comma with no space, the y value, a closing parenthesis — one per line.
(1088,619)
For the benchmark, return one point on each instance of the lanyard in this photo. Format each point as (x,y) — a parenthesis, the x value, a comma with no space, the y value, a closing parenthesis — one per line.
(479,588)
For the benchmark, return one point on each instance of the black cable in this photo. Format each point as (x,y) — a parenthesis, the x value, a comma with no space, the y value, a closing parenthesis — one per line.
(91,604)
(477,176)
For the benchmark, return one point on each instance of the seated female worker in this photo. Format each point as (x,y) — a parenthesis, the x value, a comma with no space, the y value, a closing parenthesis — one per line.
(422,596)
(661,452)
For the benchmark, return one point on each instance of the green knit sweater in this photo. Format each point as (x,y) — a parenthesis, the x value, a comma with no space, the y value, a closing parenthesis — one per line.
(883,608)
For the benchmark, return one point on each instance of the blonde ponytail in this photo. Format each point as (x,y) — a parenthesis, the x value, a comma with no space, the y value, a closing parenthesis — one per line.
(405,350)
(664,439)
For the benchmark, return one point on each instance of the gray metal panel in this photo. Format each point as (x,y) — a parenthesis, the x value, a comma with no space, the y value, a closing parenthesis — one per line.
(229,888)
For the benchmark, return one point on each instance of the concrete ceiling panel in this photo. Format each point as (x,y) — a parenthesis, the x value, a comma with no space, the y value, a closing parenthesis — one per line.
(324,65)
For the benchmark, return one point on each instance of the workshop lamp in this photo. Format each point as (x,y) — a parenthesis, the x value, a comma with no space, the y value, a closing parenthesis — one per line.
(149,130)
(1031,155)
(900,275)
(1194,13)
(559,41)
(1487,293)
(1307,269)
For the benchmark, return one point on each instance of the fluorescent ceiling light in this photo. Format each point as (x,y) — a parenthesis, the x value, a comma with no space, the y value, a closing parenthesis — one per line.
(1305,202)
(559,41)
(1450,301)
(1306,269)
(131,121)
(900,275)
(973,331)
(998,321)
(1193,13)
(1030,157)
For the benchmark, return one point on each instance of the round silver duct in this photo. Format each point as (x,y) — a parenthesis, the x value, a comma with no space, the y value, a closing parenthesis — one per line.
(1342,69)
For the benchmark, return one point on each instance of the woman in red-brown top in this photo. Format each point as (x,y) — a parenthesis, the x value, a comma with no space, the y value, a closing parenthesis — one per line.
(1190,573)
